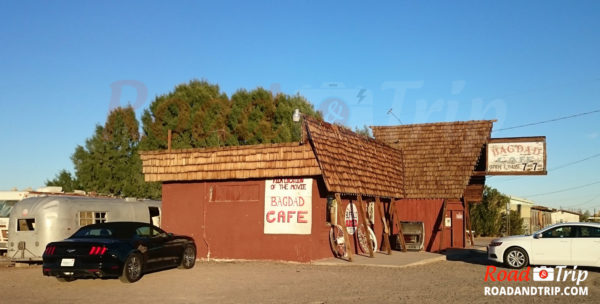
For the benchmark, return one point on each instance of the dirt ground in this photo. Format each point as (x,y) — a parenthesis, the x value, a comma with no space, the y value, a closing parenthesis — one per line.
(456,280)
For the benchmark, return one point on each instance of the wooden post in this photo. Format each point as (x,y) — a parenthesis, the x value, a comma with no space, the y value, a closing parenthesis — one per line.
(466,222)
(341,222)
(169,140)
(362,214)
(303,133)
(386,226)
(397,222)
(468,218)
(442,226)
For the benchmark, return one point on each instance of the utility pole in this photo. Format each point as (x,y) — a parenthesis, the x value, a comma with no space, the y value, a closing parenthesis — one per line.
(507,218)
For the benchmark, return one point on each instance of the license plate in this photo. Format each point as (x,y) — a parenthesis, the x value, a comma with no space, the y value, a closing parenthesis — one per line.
(67,262)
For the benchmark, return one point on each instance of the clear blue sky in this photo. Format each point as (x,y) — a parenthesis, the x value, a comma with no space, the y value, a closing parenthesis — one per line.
(515,61)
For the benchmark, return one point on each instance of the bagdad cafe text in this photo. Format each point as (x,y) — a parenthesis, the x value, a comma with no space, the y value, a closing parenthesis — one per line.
(288,206)
(516,156)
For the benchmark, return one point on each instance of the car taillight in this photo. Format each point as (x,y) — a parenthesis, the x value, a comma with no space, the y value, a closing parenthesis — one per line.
(50,250)
(495,243)
(97,250)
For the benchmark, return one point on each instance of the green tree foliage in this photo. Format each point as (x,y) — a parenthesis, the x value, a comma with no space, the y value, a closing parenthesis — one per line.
(516,223)
(199,115)
(487,217)
(196,113)
(585,216)
(109,162)
(65,180)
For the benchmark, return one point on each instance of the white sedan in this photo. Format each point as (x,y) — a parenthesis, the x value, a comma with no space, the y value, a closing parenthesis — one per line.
(559,244)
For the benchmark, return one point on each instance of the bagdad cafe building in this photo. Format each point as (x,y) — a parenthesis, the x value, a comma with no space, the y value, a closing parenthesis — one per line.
(335,193)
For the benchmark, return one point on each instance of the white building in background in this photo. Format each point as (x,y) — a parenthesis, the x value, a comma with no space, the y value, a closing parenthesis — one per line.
(8,199)
(564,216)
(523,208)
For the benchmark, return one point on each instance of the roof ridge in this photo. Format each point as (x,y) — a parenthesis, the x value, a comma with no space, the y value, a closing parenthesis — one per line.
(224,148)
(449,123)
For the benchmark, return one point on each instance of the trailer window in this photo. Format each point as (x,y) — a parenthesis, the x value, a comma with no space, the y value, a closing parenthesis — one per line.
(25,224)
(91,217)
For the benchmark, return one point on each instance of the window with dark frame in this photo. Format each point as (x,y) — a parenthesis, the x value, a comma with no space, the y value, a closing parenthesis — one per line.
(558,232)
(589,232)
(91,217)
(26,224)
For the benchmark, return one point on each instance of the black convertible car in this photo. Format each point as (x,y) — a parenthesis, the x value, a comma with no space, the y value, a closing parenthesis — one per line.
(118,249)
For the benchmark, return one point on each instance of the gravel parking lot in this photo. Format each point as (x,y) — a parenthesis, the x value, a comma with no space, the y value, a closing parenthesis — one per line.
(458,279)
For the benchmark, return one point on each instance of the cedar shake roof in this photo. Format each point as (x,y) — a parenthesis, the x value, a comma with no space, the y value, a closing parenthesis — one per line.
(354,164)
(348,162)
(439,158)
(239,162)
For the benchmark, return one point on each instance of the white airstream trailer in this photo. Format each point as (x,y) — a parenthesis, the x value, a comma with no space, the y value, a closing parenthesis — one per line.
(8,199)
(34,222)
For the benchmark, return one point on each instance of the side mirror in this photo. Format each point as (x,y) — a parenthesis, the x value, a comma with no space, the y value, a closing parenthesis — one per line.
(537,236)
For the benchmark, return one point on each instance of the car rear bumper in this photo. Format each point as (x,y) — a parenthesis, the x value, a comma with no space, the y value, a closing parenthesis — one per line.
(105,269)
(80,273)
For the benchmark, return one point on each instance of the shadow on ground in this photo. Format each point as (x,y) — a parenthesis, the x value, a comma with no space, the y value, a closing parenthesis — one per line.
(478,256)
(471,256)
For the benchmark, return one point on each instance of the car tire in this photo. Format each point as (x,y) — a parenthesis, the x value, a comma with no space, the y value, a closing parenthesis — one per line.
(188,257)
(132,269)
(516,257)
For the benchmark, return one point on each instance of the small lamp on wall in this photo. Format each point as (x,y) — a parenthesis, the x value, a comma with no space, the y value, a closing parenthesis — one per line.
(296,115)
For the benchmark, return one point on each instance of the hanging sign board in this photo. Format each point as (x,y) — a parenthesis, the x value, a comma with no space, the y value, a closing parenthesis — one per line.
(288,206)
(516,156)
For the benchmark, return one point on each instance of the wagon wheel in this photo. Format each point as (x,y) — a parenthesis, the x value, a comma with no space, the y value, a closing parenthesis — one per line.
(336,240)
(362,238)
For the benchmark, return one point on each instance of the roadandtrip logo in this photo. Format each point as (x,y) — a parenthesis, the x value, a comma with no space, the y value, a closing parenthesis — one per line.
(546,275)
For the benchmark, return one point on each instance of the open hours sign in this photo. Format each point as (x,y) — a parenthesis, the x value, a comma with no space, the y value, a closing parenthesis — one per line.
(288,206)
(516,156)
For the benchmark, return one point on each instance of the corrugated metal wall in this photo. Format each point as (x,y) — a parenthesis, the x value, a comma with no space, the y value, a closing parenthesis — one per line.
(428,211)
(231,224)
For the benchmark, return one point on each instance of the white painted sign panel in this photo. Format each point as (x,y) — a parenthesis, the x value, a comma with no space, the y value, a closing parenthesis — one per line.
(288,206)
(351,217)
(516,157)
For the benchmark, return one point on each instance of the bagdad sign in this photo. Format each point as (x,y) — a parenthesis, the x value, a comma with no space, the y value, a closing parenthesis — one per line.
(288,206)
(516,156)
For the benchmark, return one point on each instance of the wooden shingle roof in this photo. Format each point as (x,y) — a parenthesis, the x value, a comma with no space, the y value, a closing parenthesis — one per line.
(353,164)
(439,158)
(239,162)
